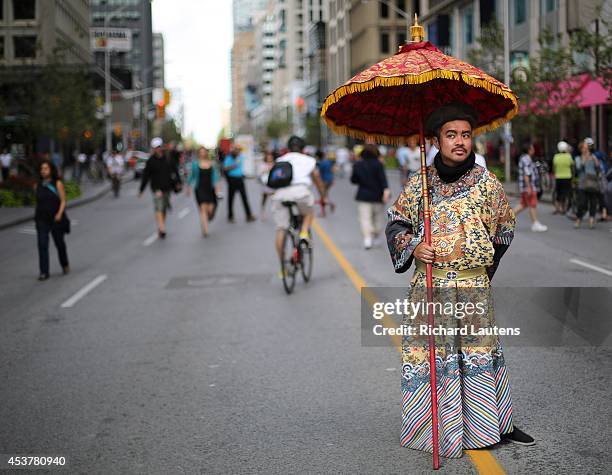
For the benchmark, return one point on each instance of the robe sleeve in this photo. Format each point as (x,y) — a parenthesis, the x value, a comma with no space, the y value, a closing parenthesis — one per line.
(501,223)
(402,231)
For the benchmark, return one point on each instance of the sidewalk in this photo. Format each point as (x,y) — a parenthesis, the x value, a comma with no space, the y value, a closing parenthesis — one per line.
(90,192)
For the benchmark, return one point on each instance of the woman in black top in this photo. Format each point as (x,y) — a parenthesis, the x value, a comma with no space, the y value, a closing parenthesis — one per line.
(372,192)
(203,179)
(50,205)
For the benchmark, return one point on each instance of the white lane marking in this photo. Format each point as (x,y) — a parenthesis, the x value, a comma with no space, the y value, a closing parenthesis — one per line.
(592,267)
(184,212)
(150,240)
(84,291)
(390,369)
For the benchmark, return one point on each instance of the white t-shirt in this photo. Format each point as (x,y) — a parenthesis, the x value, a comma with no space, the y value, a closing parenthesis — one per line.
(302,166)
(342,156)
(115,164)
(480,160)
(413,159)
(6,159)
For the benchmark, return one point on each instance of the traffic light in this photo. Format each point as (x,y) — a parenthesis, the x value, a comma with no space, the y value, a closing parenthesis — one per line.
(167,97)
(299,104)
(161,110)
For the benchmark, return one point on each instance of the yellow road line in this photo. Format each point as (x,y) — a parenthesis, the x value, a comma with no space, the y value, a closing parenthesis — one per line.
(483,460)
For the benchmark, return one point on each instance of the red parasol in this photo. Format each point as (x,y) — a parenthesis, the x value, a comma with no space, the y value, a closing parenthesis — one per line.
(388,103)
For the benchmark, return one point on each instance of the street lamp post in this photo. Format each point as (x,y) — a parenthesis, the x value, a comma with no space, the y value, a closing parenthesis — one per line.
(108,106)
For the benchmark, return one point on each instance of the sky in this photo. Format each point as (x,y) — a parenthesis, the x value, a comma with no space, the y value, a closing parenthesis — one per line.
(197,41)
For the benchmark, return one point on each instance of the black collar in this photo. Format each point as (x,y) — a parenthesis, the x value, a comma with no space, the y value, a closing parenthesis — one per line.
(451,174)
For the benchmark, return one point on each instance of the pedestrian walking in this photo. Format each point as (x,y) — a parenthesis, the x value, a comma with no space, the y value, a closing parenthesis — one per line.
(80,164)
(587,171)
(164,178)
(6,159)
(232,167)
(343,157)
(327,173)
(472,226)
(409,158)
(372,192)
(527,180)
(203,180)
(50,217)
(266,191)
(563,165)
(603,168)
(115,165)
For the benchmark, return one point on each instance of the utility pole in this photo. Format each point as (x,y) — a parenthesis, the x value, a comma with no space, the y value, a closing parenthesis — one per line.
(508,125)
(108,106)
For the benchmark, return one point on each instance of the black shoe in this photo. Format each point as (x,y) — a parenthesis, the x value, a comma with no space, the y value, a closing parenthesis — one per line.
(66,270)
(43,277)
(251,218)
(517,436)
(231,220)
(162,234)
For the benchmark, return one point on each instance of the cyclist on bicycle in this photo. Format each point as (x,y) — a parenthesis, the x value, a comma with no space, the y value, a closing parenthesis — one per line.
(304,173)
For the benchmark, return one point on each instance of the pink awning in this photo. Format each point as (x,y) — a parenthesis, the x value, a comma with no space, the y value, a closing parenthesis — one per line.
(594,93)
(579,91)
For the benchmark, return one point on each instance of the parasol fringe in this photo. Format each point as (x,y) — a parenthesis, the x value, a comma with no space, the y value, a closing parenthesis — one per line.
(382,81)
(352,88)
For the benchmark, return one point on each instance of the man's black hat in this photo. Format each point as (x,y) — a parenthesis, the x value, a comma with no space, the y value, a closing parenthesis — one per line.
(448,112)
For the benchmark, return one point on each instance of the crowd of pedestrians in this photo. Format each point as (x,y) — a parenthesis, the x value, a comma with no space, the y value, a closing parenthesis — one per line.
(583,186)
(583,183)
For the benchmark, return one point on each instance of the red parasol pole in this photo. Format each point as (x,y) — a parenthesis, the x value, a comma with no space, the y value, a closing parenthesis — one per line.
(417,33)
(430,317)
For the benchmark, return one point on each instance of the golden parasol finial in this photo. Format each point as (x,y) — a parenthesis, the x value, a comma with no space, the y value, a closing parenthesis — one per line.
(417,32)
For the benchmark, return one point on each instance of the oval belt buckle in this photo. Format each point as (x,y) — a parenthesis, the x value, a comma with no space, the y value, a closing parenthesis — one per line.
(451,275)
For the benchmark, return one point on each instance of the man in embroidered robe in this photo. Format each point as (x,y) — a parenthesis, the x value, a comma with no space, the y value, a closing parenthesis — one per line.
(472,226)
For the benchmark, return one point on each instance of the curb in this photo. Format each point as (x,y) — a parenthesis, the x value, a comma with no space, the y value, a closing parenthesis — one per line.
(70,204)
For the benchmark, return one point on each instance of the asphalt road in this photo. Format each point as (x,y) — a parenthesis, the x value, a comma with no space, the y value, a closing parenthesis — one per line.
(187,357)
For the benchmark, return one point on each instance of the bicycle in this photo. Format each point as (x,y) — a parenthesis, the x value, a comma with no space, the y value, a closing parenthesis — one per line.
(296,253)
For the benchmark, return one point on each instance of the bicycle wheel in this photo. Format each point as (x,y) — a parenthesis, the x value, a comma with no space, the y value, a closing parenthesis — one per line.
(288,262)
(306,259)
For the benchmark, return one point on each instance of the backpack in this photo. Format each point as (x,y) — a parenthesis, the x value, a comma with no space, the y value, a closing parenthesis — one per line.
(280,175)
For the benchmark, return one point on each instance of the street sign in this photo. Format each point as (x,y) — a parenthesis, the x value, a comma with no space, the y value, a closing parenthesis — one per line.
(115,39)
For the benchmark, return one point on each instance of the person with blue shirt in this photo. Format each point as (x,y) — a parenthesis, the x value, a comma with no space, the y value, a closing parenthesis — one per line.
(232,166)
(326,171)
(203,180)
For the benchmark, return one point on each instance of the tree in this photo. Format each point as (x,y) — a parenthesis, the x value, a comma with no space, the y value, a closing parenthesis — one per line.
(489,55)
(63,105)
(313,130)
(170,132)
(277,128)
(548,90)
(595,46)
